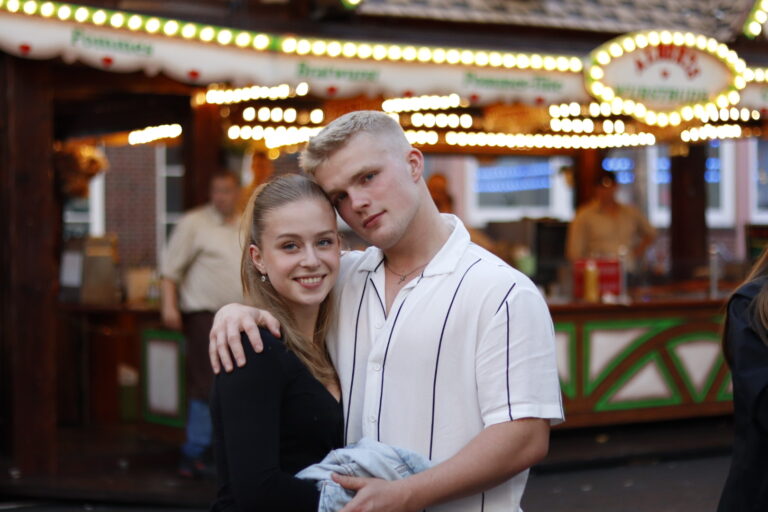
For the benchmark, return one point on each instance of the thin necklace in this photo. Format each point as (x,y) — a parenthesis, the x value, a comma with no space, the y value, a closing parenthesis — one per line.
(403,276)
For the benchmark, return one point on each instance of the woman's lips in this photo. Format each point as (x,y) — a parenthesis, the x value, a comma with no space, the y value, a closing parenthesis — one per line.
(309,281)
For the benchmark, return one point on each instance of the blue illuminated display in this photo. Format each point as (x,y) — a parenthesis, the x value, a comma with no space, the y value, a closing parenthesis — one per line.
(618,164)
(514,178)
(711,174)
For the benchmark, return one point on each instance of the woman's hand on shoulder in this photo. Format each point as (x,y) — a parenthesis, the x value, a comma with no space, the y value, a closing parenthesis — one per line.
(224,340)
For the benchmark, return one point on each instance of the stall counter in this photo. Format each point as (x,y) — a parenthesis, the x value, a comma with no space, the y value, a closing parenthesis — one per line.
(645,361)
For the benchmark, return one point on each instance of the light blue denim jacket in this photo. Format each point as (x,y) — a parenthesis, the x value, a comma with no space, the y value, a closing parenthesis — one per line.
(366,458)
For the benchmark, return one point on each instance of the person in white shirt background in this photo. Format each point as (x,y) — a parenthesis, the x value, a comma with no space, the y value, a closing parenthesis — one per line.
(440,347)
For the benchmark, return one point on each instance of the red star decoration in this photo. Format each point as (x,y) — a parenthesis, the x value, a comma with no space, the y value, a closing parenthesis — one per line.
(107,61)
(473,98)
(24,49)
(664,74)
(193,74)
(332,90)
(408,94)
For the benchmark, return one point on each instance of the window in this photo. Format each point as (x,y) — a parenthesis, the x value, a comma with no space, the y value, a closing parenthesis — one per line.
(85,216)
(719,177)
(510,188)
(758,149)
(170,192)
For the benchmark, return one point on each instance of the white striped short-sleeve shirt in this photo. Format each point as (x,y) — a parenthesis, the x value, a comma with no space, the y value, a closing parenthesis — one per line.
(467,344)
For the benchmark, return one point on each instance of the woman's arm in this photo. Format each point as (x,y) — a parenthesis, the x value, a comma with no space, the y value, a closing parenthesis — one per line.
(246,409)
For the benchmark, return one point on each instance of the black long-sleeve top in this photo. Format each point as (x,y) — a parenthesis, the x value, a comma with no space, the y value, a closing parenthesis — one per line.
(746,489)
(271,418)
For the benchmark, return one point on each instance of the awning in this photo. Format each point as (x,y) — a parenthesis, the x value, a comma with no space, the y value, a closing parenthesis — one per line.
(494,77)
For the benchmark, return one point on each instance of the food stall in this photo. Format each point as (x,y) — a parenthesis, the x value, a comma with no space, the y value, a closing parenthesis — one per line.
(637,361)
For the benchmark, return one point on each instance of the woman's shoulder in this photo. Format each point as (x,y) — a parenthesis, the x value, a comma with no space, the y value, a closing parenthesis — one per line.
(274,352)
(750,289)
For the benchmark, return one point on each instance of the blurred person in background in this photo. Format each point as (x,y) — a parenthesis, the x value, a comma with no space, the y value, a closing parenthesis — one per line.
(437,184)
(603,226)
(745,346)
(200,273)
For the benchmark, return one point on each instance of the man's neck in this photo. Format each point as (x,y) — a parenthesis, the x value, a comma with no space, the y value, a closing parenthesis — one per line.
(426,235)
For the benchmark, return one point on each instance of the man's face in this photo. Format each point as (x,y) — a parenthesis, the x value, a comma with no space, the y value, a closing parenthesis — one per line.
(224,195)
(373,183)
(606,192)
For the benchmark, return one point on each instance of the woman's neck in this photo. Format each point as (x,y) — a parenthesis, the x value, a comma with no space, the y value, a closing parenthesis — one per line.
(306,319)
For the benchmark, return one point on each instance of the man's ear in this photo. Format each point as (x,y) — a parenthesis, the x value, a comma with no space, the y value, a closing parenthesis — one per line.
(256,258)
(415,160)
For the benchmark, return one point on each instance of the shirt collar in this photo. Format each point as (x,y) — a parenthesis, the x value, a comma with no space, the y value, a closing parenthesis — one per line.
(216,216)
(444,262)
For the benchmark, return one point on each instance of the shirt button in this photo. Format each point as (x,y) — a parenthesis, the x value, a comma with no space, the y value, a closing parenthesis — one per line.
(372,419)
(377,367)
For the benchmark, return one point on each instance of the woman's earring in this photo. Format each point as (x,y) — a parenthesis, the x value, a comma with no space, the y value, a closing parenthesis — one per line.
(263,278)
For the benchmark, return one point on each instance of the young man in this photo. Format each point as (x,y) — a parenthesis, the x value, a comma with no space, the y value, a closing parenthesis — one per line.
(440,347)
(200,273)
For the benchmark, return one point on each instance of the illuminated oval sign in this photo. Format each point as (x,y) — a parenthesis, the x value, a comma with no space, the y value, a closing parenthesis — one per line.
(663,77)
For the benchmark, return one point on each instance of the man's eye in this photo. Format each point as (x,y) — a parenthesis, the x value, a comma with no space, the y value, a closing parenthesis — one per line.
(339,197)
(369,176)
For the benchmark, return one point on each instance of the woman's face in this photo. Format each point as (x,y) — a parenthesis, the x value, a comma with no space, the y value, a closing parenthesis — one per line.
(299,252)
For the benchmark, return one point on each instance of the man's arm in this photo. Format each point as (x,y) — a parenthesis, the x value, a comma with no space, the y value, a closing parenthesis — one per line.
(574,241)
(494,456)
(224,338)
(169,302)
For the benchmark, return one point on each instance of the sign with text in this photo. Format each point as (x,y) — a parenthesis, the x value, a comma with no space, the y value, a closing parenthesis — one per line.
(665,72)
(666,77)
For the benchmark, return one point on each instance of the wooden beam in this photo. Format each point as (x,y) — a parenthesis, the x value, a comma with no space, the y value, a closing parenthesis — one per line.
(31,221)
(203,154)
(688,226)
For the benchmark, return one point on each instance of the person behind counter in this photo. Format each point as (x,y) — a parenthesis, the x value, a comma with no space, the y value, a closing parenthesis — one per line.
(745,345)
(199,275)
(604,225)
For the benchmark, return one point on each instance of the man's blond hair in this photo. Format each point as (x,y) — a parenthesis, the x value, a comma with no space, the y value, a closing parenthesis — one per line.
(337,133)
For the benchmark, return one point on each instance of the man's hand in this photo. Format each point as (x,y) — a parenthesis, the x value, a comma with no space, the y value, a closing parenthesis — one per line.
(375,495)
(228,323)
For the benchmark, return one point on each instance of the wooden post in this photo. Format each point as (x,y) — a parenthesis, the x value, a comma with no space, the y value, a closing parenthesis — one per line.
(30,222)
(587,167)
(688,226)
(202,153)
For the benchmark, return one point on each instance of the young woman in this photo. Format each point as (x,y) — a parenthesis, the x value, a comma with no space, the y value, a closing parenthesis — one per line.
(282,411)
(745,344)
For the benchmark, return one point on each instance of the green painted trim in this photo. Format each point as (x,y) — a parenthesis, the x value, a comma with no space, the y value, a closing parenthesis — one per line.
(698,396)
(604,403)
(569,387)
(180,419)
(723,395)
(655,327)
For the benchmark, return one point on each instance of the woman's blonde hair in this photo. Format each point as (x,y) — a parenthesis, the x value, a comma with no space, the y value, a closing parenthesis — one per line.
(274,194)
(759,307)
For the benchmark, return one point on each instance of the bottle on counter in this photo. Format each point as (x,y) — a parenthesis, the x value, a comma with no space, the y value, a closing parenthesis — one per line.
(591,281)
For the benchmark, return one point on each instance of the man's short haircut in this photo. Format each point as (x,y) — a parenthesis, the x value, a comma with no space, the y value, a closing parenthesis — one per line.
(336,134)
(605,179)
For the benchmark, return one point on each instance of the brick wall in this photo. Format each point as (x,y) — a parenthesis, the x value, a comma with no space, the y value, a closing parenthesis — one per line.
(130,203)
